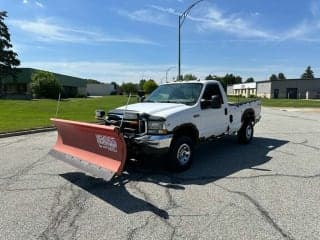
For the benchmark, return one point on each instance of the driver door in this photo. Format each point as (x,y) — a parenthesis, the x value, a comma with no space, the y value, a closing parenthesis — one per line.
(214,121)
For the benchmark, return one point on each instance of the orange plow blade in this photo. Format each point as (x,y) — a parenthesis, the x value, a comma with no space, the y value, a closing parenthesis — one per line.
(97,149)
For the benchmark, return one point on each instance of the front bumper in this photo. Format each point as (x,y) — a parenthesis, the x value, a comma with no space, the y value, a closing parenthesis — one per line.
(156,142)
(149,144)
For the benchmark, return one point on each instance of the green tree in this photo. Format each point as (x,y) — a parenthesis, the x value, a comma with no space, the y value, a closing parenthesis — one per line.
(141,83)
(180,78)
(210,77)
(249,80)
(273,77)
(281,76)
(116,88)
(189,77)
(8,58)
(230,79)
(115,85)
(149,86)
(129,88)
(45,85)
(308,74)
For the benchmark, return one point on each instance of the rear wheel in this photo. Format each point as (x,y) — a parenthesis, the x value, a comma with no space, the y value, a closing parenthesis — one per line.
(181,153)
(245,134)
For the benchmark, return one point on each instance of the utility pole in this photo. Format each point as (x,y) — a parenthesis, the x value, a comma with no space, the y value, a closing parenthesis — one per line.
(182,18)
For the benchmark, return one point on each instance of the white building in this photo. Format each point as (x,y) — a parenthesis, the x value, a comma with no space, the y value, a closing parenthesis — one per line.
(99,89)
(288,88)
(243,89)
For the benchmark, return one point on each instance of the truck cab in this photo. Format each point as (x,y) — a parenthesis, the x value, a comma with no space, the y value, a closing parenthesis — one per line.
(179,115)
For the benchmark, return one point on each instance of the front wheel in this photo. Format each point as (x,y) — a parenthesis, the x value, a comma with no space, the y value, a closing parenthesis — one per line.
(181,153)
(245,134)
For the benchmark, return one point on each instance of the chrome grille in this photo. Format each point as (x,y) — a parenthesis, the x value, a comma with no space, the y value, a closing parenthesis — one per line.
(130,126)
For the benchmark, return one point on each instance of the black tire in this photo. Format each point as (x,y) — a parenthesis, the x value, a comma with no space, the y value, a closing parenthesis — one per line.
(245,134)
(181,153)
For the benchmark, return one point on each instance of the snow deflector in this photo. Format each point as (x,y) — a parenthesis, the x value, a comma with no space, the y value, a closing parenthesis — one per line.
(97,149)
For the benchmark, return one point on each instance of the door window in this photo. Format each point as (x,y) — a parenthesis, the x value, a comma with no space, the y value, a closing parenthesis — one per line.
(212,89)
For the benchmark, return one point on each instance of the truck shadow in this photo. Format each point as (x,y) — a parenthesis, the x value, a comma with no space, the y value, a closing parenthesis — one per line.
(213,161)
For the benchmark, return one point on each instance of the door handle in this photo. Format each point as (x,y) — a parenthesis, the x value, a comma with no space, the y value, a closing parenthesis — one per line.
(196,115)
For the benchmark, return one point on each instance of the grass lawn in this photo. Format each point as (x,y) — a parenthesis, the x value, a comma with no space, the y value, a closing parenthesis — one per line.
(20,114)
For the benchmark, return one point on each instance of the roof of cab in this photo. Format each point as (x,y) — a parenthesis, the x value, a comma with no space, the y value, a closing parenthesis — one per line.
(193,81)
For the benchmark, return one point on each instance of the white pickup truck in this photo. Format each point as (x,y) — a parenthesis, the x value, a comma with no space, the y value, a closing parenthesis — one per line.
(177,116)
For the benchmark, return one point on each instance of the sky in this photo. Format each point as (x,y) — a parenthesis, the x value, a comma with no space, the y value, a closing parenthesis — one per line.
(127,40)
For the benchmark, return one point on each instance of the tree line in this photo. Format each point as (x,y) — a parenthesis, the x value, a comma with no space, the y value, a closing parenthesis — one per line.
(144,85)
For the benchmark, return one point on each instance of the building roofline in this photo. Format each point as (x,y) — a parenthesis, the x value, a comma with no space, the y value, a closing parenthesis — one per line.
(290,79)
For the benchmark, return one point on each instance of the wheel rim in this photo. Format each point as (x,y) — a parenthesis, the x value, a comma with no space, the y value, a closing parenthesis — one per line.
(249,132)
(184,154)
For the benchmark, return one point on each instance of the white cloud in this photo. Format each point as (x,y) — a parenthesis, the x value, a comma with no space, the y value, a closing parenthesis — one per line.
(39,4)
(25,1)
(315,8)
(214,19)
(210,18)
(44,30)
(307,31)
(255,14)
(165,10)
(147,16)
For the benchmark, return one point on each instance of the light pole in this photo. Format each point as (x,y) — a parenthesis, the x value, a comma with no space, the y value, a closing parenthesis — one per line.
(182,18)
(170,68)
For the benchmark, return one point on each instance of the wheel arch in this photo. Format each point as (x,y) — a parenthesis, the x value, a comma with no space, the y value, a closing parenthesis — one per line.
(248,115)
(187,129)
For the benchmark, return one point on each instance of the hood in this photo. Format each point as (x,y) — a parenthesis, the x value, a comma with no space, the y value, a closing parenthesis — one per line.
(156,109)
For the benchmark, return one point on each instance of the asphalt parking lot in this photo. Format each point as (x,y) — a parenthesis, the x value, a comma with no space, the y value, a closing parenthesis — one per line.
(269,189)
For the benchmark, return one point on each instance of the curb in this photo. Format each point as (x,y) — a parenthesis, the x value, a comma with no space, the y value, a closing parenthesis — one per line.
(26,132)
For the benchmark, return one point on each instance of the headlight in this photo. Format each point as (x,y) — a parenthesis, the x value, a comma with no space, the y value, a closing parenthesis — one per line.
(157,127)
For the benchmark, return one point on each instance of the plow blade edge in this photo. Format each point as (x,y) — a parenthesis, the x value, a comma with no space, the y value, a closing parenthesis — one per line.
(97,149)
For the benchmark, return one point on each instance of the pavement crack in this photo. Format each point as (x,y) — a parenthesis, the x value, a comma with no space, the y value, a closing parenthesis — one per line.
(157,211)
(28,189)
(13,142)
(135,230)
(305,144)
(264,213)
(171,202)
(205,179)
(9,180)
(64,213)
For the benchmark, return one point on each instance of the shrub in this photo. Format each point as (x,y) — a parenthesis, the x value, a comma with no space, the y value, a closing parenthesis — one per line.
(45,85)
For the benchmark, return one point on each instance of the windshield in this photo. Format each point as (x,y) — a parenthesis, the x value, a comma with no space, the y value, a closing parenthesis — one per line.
(186,93)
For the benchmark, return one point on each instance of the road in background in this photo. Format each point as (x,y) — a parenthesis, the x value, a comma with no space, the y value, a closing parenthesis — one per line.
(268,189)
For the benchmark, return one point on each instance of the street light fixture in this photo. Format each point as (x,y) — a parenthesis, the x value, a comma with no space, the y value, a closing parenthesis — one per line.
(170,68)
(182,18)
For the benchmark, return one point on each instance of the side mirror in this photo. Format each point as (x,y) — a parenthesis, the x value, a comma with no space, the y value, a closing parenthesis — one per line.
(215,101)
(204,104)
(141,93)
(142,98)
(100,114)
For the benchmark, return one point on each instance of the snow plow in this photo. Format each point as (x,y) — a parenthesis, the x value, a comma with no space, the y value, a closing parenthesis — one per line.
(97,149)
(170,122)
